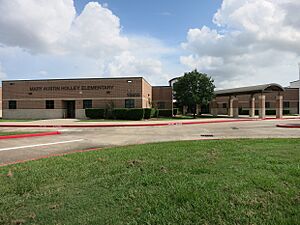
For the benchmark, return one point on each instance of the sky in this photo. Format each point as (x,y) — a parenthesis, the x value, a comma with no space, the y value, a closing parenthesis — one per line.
(237,42)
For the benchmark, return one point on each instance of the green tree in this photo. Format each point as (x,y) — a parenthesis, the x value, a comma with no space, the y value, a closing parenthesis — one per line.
(194,89)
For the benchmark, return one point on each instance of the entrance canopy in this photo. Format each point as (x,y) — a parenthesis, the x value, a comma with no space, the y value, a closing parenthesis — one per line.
(264,88)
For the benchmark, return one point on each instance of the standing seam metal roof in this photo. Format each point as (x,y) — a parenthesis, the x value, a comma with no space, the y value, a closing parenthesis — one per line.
(251,89)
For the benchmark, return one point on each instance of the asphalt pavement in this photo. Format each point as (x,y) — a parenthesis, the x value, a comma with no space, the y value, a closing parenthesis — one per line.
(74,139)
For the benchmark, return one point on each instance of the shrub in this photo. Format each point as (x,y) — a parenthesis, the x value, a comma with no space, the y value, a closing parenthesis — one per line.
(165,112)
(147,114)
(175,111)
(270,112)
(120,114)
(243,111)
(135,114)
(286,112)
(95,113)
(154,113)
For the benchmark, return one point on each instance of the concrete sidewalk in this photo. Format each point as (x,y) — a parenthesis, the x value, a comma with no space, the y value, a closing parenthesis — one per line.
(119,123)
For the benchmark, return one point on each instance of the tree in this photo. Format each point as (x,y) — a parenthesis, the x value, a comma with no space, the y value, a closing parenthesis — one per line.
(194,89)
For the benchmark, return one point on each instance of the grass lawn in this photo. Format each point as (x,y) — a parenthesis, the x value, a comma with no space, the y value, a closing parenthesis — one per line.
(192,182)
(16,120)
(4,133)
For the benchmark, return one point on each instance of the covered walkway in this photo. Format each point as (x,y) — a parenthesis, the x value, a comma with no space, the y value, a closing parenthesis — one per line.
(255,92)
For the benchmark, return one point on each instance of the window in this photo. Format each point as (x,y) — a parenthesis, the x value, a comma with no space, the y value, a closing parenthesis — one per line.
(161,105)
(87,104)
(268,105)
(224,105)
(49,104)
(12,104)
(129,103)
(286,104)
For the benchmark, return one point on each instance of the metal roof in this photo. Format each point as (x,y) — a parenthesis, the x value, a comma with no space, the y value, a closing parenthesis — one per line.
(250,90)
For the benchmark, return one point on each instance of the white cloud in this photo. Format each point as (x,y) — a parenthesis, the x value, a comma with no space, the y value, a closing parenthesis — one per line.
(52,28)
(2,74)
(95,33)
(257,41)
(127,64)
(34,24)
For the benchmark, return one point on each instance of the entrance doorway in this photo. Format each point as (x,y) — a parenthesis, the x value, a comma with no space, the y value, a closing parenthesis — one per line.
(70,109)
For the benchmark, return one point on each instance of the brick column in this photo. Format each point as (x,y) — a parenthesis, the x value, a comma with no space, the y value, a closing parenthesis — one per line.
(235,107)
(230,106)
(262,106)
(279,106)
(214,107)
(252,106)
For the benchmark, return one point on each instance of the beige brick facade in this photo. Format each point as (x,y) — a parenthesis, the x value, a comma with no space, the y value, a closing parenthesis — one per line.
(30,96)
(162,97)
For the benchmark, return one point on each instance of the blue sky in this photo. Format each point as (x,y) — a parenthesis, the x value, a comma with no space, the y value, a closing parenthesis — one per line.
(167,20)
(237,42)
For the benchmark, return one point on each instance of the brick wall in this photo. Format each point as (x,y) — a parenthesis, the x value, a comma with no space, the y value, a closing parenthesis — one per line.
(32,94)
(162,95)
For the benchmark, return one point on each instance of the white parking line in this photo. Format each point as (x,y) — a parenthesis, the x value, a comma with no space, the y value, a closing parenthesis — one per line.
(38,145)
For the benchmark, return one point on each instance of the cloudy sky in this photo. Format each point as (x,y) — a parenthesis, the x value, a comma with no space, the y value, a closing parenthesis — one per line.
(237,42)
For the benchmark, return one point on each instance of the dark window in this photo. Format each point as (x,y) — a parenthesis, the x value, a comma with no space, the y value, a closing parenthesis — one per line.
(268,105)
(161,105)
(129,103)
(12,104)
(49,104)
(224,105)
(87,104)
(286,104)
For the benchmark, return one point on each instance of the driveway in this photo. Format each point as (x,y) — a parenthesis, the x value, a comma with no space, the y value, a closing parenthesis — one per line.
(72,139)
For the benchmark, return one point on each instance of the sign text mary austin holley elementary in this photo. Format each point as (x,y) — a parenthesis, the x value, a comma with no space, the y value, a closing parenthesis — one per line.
(72,88)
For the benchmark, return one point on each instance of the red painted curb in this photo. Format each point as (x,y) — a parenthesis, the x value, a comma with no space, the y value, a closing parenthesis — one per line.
(30,135)
(173,123)
(288,125)
(127,125)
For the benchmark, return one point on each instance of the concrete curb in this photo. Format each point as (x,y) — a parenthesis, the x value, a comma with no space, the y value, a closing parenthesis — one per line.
(29,135)
(288,125)
(171,123)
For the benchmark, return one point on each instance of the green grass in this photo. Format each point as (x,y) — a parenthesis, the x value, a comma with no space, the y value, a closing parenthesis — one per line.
(191,182)
(4,133)
(17,120)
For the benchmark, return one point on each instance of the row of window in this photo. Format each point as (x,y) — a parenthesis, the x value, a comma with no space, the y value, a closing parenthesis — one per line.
(267,105)
(49,104)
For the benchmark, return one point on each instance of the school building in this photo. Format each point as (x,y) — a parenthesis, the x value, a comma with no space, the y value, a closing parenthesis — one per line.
(68,98)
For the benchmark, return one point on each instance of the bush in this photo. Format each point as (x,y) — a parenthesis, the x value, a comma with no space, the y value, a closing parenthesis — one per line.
(286,112)
(165,112)
(120,114)
(147,114)
(175,111)
(95,113)
(270,112)
(154,113)
(128,114)
(135,114)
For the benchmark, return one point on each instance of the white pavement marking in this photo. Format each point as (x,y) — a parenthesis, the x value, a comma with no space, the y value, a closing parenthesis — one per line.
(38,145)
